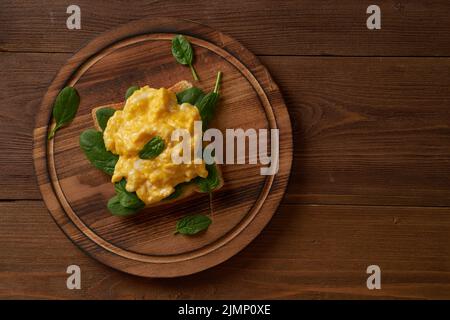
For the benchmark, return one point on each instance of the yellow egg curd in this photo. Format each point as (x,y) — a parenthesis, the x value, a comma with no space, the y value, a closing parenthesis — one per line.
(149,113)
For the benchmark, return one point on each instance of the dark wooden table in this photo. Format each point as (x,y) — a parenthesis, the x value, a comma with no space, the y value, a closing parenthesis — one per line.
(370,180)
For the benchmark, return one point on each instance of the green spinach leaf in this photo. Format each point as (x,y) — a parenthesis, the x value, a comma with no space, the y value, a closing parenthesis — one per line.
(153,148)
(207,105)
(130,91)
(211,182)
(93,146)
(178,191)
(103,116)
(192,95)
(65,108)
(117,209)
(193,224)
(183,53)
(127,199)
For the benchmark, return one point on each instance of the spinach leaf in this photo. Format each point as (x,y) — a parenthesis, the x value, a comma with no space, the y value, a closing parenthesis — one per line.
(193,224)
(103,116)
(211,182)
(183,53)
(153,148)
(207,105)
(119,187)
(178,191)
(116,208)
(93,146)
(192,95)
(130,91)
(128,199)
(65,108)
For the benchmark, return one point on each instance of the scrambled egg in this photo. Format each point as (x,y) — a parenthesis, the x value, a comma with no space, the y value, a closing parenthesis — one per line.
(148,113)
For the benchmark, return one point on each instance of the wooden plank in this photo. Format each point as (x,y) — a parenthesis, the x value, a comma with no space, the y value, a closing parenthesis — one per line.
(305,252)
(366,130)
(295,27)
(24,80)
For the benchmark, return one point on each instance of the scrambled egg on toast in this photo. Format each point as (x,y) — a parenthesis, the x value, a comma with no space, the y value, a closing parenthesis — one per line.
(188,189)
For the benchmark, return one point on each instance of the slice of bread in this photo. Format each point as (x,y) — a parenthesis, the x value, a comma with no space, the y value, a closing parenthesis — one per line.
(188,189)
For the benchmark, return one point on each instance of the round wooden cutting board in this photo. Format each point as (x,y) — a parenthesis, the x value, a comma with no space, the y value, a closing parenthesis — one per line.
(76,193)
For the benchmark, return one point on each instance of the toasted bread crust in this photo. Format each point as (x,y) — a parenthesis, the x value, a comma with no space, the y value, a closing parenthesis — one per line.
(188,190)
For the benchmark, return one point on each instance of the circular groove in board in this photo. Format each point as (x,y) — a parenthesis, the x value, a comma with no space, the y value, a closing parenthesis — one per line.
(235,235)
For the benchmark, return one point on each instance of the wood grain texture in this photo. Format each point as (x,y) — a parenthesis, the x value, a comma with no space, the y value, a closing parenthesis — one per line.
(76,193)
(371,130)
(315,252)
(23,81)
(367,130)
(294,27)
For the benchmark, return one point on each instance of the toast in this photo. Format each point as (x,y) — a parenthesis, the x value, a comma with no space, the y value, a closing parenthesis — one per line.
(188,189)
